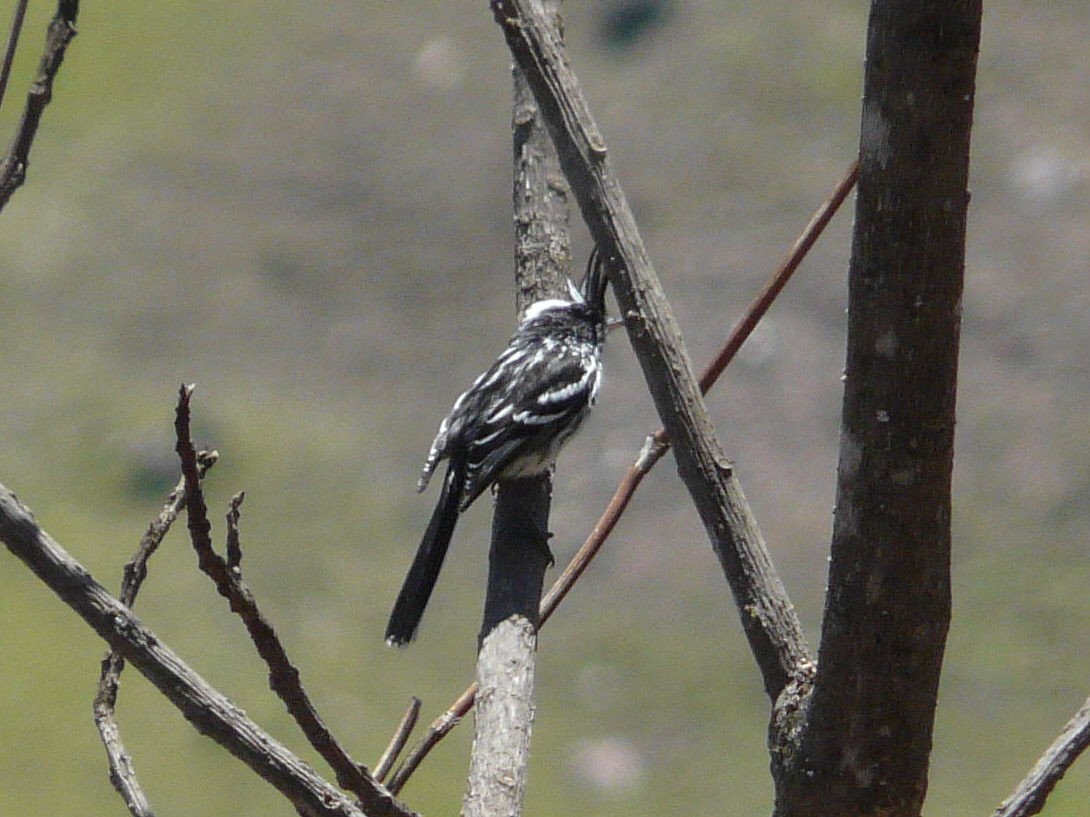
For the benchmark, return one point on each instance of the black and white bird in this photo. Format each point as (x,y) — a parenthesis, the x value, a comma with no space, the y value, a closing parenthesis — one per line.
(510,424)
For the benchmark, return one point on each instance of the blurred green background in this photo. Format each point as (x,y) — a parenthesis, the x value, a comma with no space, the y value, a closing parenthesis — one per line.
(304,208)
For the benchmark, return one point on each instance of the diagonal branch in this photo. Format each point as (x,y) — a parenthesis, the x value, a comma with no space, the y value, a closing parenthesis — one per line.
(768,618)
(654,449)
(1029,798)
(283,675)
(13,42)
(208,710)
(398,740)
(658,444)
(122,774)
(60,33)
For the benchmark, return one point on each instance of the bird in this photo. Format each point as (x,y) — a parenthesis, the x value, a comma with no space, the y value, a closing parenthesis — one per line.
(510,423)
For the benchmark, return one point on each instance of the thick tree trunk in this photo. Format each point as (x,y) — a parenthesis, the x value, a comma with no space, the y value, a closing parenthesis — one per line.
(864,738)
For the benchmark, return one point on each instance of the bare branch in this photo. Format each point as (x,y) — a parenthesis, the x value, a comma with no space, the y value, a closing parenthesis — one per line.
(865,744)
(769,620)
(13,43)
(210,712)
(767,296)
(122,774)
(1030,796)
(519,555)
(283,675)
(655,447)
(398,741)
(60,33)
(439,729)
(505,712)
(657,444)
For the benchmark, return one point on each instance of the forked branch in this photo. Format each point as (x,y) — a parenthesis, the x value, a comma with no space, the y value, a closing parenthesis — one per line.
(210,712)
(283,675)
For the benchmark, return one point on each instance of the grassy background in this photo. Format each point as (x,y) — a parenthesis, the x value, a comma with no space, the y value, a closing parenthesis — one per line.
(305,210)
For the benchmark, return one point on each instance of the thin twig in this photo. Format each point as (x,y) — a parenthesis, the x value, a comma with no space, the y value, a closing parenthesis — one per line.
(657,444)
(122,774)
(9,50)
(60,33)
(1030,796)
(654,448)
(210,712)
(283,675)
(439,729)
(799,250)
(398,741)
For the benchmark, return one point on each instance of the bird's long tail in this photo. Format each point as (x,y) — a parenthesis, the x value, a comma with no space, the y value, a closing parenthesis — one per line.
(415,592)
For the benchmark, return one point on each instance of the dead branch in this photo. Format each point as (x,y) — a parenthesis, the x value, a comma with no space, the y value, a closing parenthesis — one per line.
(122,774)
(655,447)
(398,740)
(1030,796)
(13,43)
(60,33)
(210,712)
(768,618)
(284,677)
(519,554)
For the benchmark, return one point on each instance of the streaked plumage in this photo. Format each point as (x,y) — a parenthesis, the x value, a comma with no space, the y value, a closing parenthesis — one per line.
(511,423)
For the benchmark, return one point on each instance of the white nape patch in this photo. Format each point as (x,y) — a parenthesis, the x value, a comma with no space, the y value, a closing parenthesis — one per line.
(535,309)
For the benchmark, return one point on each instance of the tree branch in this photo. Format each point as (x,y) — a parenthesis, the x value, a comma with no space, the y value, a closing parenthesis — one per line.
(654,449)
(658,443)
(122,774)
(866,741)
(283,675)
(210,712)
(1030,796)
(437,730)
(769,620)
(9,50)
(519,554)
(60,33)
(398,740)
